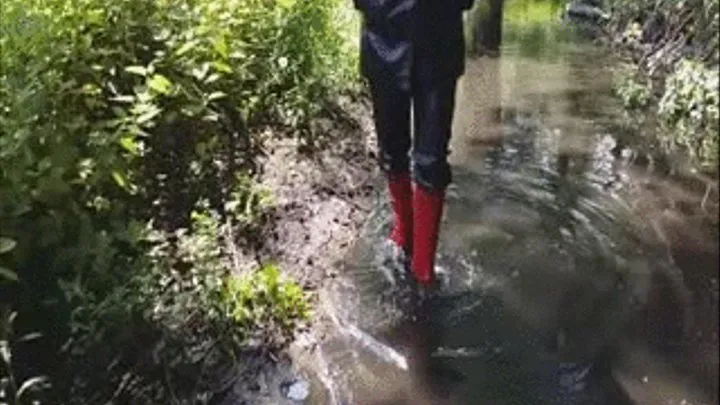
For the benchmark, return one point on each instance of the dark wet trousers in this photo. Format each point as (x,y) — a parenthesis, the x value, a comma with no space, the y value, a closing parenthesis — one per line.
(432,107)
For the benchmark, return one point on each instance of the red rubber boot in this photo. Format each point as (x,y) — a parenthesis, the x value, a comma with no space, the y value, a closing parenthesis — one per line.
(401,202)
(427,212)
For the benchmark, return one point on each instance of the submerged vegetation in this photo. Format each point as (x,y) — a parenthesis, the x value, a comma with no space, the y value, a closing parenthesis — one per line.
(129,131)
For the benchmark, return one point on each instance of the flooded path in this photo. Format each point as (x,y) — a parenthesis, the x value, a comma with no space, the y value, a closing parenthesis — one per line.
(578,272)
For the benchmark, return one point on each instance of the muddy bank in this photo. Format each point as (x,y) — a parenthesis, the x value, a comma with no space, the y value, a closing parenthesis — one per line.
(322,197)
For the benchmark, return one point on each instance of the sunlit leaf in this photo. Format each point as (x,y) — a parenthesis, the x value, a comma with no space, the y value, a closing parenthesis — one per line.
(185,48)
(222,67)
(91,89)
(7,244)
(30,337)
(129,144)
(123,99)
(5,353)
(286,3)
(136,70)
(200,73)
(216,95)
(221,47)
(148,115)
(160,83)
(120,179)
(212,78)
(8,274)
(31,384)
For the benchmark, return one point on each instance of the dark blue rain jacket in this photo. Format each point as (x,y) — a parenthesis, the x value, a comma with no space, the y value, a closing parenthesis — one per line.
(405,41)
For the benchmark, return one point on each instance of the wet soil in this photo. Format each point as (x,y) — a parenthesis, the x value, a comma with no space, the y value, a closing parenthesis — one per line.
(322,198)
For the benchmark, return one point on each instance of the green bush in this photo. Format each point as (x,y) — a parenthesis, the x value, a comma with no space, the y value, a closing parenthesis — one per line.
(116,114)
(690,109)
(674,43)
(634,90)
(167,332)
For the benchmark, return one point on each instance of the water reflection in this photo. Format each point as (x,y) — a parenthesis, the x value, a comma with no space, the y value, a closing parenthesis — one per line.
(484,25)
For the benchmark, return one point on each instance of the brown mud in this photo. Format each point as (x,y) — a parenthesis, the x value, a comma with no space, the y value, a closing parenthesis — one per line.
(321,199)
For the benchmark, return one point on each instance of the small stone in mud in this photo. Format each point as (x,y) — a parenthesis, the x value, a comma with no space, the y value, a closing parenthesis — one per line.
(297,390)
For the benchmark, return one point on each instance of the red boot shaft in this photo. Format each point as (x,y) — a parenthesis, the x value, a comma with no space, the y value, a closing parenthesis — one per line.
(427,212)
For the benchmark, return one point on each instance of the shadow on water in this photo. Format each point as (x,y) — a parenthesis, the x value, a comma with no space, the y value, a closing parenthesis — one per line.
(574,274)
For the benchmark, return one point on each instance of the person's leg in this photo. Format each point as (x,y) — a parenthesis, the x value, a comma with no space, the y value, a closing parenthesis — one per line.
(433,114)
(391,109)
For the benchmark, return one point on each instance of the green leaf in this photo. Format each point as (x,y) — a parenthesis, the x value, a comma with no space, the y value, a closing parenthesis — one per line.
(6,245)
(123,99)
(8,274)
(148,113)
(91,89)
(185,48)
(29,384)
(5,353)
(286,3)
(221,47)
(216,95)
(212,78)
(201,73)
(128,143)
(222,67)
(120,179)
(160,83)
(136,70)
(30,337)
(21,210)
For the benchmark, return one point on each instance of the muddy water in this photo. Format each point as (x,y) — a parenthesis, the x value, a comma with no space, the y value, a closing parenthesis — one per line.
(576,272)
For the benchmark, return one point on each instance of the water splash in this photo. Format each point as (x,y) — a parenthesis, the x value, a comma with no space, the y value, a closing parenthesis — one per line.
(383,351)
